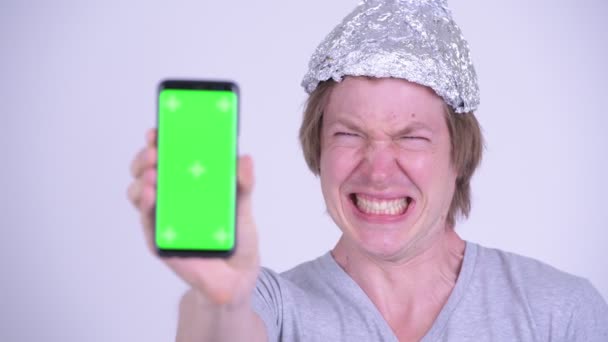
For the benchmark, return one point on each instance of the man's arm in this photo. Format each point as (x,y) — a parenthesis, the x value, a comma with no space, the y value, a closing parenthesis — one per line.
(200,320)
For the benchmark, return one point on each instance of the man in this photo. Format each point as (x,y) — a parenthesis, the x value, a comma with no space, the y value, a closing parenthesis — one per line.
(389,128)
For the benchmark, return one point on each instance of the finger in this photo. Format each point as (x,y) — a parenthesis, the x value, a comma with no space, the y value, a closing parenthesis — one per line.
(245,176)
(148,215)
(245,187)
(148,199)
(151,137)
(148,226)
(145,158)
(246,233)
(149,176)
(134,192)
(138,162)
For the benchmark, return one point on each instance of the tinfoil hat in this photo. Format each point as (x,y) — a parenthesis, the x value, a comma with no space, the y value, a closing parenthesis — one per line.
(415,40)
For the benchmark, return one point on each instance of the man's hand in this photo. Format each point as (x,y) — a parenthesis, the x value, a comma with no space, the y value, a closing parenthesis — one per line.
(218,285)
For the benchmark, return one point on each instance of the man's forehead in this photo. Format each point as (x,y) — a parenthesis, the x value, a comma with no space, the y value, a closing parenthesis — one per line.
(410,121)
(377,100)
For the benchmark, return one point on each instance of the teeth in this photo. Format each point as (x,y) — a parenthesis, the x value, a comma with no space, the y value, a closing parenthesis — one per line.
(381,207)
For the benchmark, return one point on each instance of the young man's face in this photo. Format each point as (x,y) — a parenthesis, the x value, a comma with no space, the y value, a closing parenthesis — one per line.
(385,164)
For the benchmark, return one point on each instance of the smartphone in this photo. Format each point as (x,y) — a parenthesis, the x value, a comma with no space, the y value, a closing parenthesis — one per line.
(197,126)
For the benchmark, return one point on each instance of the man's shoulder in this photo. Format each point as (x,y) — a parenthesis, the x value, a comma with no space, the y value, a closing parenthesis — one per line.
(509,264)
(529,278)
(304,270)
(534,294)
(304,275)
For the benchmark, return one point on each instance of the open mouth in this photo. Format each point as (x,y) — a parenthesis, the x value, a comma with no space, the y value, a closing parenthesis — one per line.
(381,206)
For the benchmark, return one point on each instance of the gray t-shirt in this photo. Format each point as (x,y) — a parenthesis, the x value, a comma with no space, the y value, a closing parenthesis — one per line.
(498,296)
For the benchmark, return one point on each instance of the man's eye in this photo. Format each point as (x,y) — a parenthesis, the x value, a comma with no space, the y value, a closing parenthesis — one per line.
(414,137)
(414,142)
(346,134)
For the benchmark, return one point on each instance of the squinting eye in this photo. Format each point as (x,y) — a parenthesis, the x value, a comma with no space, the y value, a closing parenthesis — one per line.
(413,138)
(346,134)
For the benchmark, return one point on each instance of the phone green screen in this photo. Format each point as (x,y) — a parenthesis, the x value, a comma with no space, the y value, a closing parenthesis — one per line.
(197,161)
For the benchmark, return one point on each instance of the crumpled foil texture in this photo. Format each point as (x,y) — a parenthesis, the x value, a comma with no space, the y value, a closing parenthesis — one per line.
(415,40)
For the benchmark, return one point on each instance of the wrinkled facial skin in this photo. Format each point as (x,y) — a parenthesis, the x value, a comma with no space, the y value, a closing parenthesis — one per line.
(385,167)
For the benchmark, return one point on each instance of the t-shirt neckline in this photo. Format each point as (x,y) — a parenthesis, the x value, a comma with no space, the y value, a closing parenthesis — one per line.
(437,329)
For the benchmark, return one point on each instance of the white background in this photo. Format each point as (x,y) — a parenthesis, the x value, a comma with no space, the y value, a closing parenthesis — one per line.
(77,92)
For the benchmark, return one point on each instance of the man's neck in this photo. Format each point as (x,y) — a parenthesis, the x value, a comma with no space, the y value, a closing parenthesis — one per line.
(411,291)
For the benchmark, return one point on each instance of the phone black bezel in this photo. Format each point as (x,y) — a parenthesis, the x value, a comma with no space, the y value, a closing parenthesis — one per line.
(201,85)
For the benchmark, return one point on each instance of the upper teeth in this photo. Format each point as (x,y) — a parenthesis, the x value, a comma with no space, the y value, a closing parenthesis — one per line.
(381,207)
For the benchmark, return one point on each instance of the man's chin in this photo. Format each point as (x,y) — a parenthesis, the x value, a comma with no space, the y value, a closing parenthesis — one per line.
(385,247)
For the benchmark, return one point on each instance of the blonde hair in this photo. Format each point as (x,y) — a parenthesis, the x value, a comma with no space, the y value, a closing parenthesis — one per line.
(465,136)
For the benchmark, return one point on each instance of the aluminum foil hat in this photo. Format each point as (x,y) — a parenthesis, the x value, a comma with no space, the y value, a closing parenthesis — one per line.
(415,40)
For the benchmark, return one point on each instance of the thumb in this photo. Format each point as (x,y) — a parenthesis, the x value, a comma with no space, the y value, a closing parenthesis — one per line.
(246,231)
(245,189)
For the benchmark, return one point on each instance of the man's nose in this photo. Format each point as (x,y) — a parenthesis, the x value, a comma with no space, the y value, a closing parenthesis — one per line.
(381,161)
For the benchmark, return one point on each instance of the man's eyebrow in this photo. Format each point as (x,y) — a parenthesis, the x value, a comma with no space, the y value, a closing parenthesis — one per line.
(413,127)
(347,122)
(353,123)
